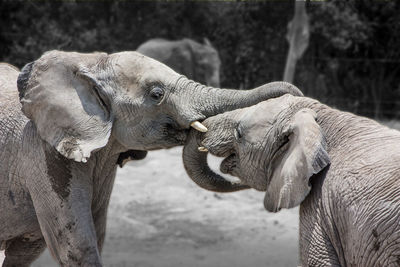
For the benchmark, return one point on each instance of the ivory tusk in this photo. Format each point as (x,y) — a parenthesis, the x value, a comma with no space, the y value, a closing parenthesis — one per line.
(199,127)
(202,149)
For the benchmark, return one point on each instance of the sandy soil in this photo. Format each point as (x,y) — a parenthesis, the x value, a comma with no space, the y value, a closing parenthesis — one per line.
(159,217)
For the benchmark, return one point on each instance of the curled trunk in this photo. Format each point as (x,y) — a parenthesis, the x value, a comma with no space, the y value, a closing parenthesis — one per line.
(196,166)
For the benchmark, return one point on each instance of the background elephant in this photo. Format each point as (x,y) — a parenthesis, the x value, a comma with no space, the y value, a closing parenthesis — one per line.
(82,114)
(199,62)
(342,169)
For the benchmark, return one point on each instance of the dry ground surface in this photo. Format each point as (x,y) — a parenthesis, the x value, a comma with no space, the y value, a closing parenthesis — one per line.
(159,218)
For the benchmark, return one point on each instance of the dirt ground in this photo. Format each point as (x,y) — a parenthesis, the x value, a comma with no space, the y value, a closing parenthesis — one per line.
(159,218)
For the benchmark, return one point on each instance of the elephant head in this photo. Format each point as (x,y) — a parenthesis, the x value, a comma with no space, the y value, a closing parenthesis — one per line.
(197,61)
(81,102)
(207,61)
(274,146)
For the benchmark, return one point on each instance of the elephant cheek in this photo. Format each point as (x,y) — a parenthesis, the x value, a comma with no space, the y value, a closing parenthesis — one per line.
(175,138)
(127,130)
(128,140)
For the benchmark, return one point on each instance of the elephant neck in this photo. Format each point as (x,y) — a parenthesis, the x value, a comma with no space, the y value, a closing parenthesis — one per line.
(345,131)
(107,154)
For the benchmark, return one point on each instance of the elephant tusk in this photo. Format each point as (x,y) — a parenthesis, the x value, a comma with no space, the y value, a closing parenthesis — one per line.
(202,149)
(199,126)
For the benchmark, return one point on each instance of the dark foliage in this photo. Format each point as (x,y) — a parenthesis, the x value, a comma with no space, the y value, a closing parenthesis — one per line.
(353,60)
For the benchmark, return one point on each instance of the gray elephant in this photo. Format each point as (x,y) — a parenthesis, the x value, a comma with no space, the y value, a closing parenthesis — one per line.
(199,62)
(82,114)
(343,170)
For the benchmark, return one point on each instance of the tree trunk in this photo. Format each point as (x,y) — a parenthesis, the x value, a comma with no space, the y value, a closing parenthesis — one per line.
(297,36)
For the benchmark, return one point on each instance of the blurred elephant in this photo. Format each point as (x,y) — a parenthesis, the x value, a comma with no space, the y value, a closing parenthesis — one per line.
(76,117)
(199,62)
(343,170)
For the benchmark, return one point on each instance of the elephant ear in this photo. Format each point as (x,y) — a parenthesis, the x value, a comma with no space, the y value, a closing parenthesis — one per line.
(69,106)
(305,156)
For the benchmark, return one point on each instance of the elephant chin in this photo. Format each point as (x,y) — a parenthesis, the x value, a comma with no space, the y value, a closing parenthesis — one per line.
(129,155)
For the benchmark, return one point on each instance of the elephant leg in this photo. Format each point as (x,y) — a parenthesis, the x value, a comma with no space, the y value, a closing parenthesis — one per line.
(21,252)
(316,248)
(70,233)
(100,226)
(63,209)
(100,208)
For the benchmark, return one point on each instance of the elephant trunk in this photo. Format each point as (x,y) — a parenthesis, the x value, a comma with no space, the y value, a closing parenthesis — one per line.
(197,168)
(207,101)
(228,99)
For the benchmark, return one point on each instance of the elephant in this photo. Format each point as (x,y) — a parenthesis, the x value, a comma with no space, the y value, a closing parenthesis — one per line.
(66,121)
(341,169)
(199,62)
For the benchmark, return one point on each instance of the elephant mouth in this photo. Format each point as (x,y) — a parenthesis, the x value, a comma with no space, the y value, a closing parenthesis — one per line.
(229,165)
(178,136)
(174,136)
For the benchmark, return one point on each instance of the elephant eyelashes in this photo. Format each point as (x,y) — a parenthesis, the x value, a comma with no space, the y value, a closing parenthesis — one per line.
(101,97)
(238,133)
(284,140)
(157,94)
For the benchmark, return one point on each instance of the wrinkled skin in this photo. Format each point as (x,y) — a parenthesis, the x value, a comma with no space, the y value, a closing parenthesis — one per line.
(199,62)
(343,170)
(63,131)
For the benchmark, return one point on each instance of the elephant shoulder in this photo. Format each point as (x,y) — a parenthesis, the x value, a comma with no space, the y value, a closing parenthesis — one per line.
(159,49)
(9,100)
(8,68)
(152,44)
(8,78)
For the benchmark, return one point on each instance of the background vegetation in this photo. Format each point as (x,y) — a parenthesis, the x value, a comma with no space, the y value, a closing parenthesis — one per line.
(352,62)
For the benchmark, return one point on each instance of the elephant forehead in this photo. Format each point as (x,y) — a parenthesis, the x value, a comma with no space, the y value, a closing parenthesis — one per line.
(257,120)
(264,113)
(133,67)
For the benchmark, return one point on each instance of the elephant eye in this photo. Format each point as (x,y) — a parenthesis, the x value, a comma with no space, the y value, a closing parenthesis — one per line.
(157,94)
(284,140)
(238,133)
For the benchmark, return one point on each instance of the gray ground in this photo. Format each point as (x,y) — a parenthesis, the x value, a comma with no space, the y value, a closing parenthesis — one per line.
(159,217)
